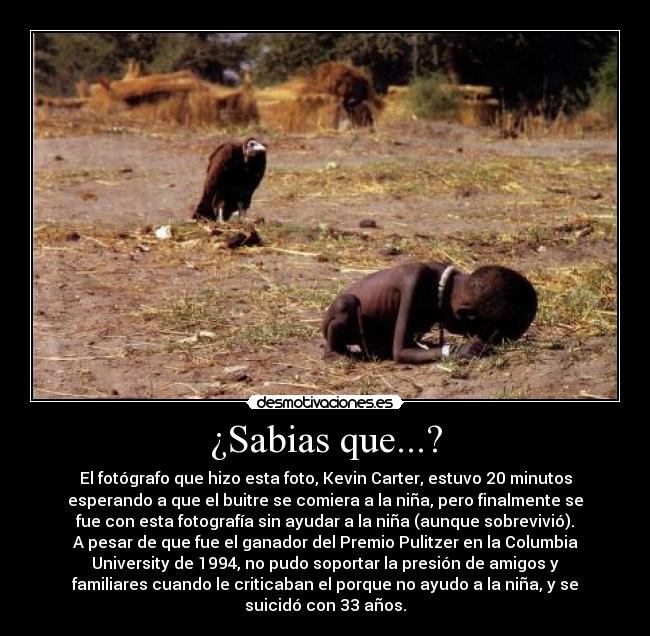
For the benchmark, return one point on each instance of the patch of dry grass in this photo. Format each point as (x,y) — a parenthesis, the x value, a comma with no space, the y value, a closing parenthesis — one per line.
(46,179)
(502,175)
(579,301)
(270,298)
(574,232)
(57,123)
(243,319)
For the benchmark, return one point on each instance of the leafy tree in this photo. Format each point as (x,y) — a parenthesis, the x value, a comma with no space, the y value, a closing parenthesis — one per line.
(207,55)
(546,71)
(44,62)
(282,55)
(604,90)
(199,56)
(62,59)
(388,56)
(65,58)
(531,69)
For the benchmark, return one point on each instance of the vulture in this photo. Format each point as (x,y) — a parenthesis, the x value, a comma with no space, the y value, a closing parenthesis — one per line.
(234,172)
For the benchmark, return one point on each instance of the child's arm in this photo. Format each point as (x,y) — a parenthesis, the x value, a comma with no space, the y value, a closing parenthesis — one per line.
(403,350)
(413,355)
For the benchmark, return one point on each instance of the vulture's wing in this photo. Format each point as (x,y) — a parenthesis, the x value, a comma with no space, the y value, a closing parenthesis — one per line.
(223,161)
(215,152)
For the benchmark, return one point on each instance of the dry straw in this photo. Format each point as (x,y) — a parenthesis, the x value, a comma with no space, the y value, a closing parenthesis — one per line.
(335,95)
(173,98)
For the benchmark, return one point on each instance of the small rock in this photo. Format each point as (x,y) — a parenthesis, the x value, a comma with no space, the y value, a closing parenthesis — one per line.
(596,195)
(468,191)
(541,249)
(390,250)
(144,248)
(331,165)
(235,241)
(163,232)
(368,223)
(124,170)
(253,239)
(147,229)
(73,236)
(240,377)
(115,392)
(584,231)
(88,196)
(190,243)
(58,158)
(188,340)
(459,150)
(242,240)
(236,368)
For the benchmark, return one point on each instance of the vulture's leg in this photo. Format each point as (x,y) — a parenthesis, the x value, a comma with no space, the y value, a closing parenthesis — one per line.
(242,211)
(217,208)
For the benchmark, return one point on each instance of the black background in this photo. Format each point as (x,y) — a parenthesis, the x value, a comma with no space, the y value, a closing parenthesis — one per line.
(597,443)
(476,439)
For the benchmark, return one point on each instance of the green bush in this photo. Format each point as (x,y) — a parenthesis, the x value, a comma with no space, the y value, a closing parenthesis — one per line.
(604,91)
(429,100)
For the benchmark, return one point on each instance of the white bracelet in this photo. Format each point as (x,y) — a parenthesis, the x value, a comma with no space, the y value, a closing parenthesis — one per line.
(445,350)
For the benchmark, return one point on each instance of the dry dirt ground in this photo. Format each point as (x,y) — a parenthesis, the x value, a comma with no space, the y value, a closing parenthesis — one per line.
(119,313)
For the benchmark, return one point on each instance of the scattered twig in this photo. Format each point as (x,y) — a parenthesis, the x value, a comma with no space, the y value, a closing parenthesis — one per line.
(75,358)
(78,395)
(294,252)
(264,277)
(302,386)
(593,396)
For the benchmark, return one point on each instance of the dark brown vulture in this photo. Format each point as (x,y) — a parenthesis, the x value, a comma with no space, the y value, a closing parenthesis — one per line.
(234,172)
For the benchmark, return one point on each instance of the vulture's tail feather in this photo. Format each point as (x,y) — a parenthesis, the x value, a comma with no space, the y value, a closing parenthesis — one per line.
(204,209)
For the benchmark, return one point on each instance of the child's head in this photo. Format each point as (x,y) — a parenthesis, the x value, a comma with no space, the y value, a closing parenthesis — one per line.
(495,304)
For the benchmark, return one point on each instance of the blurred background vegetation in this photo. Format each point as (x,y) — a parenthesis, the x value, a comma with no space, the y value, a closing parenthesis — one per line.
(546,71)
